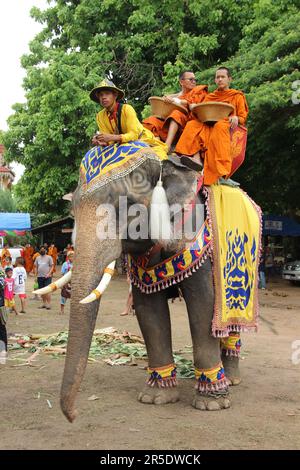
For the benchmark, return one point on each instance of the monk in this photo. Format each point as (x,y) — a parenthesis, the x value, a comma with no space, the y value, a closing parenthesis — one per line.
(52,251)
(36,255)
(167,129)
(28,254)
(214,141)
(5,254)
(120,126)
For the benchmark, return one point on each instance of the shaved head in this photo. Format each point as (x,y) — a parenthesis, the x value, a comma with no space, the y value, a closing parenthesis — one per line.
(225,68)
(182,74)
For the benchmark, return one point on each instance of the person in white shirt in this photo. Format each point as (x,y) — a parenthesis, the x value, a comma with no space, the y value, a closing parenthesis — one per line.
(43,269)
(20,276)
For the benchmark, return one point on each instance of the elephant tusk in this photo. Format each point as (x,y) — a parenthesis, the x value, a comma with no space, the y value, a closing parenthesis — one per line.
(106,278)
(54,285)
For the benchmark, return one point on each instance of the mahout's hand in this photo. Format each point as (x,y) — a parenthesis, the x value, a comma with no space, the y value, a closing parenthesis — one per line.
(107,137)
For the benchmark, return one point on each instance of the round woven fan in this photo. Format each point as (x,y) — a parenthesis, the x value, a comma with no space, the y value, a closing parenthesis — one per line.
(212,111)
(162,109)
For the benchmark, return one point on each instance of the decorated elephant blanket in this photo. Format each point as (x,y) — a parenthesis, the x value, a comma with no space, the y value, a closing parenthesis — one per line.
(174,269)
(101,165)
(231,235)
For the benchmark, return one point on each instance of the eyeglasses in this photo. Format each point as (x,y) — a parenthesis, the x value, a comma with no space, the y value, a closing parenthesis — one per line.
(190,79)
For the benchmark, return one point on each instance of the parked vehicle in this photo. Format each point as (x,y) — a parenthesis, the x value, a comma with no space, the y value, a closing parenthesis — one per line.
(291,271)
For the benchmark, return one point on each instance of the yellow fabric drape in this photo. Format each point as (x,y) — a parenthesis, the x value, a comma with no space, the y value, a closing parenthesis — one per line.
(236,227)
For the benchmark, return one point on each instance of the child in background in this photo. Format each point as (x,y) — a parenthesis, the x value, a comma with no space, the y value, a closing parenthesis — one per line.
(9,290)
(9,263)
(66,290)
(3,320)
(20,276)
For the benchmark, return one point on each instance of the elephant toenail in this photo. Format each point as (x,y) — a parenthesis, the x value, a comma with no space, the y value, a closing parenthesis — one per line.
(145,398)
(226,403)
(159,401)
(199,405)
(213,406)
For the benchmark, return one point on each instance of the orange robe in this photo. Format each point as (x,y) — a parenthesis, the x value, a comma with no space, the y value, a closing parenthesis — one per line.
(159,127)
(35,256)
(28,254)
(52,251)
(4,254)
(214,140)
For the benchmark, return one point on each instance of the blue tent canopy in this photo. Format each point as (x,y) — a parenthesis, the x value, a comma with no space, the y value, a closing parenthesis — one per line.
(279,225)
(15,221)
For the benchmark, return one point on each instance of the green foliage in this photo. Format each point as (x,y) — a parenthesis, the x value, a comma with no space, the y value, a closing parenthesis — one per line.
(15,240)
(7,202)
(143,45)
(11,240)
(266,68)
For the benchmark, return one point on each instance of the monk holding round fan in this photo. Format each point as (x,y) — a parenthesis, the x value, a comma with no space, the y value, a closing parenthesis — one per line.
(215,136)
(167,123)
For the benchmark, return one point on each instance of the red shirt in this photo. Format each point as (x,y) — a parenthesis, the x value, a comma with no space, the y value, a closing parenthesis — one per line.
(9,288)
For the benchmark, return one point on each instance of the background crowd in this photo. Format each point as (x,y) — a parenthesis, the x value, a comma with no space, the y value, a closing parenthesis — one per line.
(40,263)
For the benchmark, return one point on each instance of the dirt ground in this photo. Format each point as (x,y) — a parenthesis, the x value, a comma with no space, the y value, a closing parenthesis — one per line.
(265,411)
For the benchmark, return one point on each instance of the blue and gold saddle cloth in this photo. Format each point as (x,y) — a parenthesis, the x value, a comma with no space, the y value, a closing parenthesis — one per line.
(101,165)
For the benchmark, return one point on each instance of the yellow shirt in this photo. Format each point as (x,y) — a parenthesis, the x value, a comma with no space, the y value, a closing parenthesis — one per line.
(132,129)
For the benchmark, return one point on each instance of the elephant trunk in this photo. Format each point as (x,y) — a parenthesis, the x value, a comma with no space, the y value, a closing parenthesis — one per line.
(91,257)
(81,328)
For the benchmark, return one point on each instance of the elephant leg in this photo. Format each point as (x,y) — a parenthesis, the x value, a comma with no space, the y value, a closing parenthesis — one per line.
(211,387)
(230,348)
(153,315)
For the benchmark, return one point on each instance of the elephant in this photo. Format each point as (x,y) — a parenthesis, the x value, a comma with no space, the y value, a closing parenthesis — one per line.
(93,254)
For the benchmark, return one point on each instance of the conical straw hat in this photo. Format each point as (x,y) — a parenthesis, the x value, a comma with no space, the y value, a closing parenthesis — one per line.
(106,85)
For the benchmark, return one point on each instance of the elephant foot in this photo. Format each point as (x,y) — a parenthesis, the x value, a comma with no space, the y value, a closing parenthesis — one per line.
(158,396)
(232,371)
(211,402)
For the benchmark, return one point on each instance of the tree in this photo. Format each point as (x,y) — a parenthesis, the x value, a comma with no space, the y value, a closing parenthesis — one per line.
(266,68)
(7,202)
(130,40)
(143,45)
